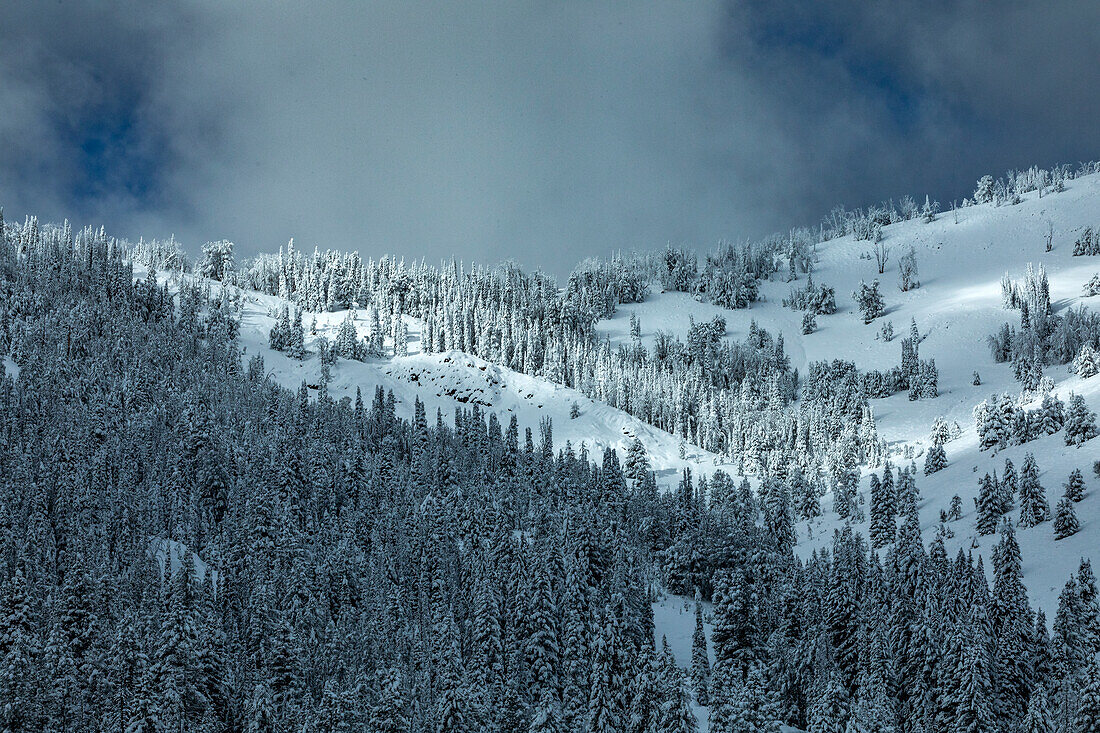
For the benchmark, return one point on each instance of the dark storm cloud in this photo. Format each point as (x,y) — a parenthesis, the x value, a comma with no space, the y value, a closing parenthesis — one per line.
(539,131)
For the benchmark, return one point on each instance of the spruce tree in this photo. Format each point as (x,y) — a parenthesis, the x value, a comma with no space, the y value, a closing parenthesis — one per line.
(1075,486)
(1038,719)
(1065,520)
(935,461)
(882,513)
(1034,508)
(1080,422)
(989,506)
(700,661)
(1087,719)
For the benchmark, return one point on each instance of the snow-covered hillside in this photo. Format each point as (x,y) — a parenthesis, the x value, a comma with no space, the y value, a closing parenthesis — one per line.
(452,379)
(957,306)
(962,257)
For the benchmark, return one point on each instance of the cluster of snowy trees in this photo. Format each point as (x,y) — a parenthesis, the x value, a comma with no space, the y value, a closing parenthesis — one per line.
(729,398)
(866,224)
(820,300)
(1043,337)
(997,497)
(1087,244)
(1010,188)
(1001,421)
(216,262)
(905,640)
(1092,287)
(919,376)
(601,285)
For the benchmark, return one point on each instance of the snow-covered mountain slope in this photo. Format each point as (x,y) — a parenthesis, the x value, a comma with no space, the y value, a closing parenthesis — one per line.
(454,379)
(956,307)
(961,257)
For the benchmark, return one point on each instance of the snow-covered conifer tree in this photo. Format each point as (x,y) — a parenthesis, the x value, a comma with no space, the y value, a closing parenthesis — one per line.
(1034,508)
(1065,520)
(700,661)
(1075,486)
(936,460)
(1080,422)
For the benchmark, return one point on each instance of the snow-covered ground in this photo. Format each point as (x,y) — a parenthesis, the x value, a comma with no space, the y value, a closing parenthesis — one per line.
(10,367)
(173,552)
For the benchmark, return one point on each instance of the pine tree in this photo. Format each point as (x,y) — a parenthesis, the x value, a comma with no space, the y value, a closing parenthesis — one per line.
(401,338)
(989,506)
(1051,414)
(547,715)
(700,661)
(543,649)
(1009,486)
(734,632)
(174,662)
(1075,486)
(1038,718)
(387,715)
(636,465)
(870,301)
(646,704)
(974,691)
(261,714)
(144,718)
(605,704)
(829,712)
(872,712)
(809,324)
(882,512)
(1087,362)
(295,345)
(935,461)
(807,501)
(677,717)
(955,512)
(1080,422)
(347,338)
(1087,719)
(1034,508)
(19,652)
(452,701)
(1065,519)
(749,708)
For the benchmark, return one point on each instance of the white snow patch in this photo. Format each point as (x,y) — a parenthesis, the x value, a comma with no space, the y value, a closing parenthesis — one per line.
(172,552)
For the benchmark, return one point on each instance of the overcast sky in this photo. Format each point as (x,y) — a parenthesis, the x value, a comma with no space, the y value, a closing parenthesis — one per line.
(538,131)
